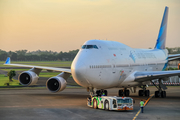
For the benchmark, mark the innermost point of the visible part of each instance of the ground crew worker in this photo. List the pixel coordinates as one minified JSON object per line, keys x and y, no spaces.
{"x":103,"y":94}
{"x":142,"y":105}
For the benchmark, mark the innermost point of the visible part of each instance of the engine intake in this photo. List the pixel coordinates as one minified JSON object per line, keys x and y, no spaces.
{"x":56,"y":84}
{"x":28,"y":78}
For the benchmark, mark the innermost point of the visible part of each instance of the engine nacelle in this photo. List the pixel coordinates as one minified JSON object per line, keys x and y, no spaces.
{"x":56,"y":84}
{"x":28,"y":78}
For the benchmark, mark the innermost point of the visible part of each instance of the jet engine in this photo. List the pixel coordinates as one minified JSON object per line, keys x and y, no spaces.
{"x":28,"y":78}
{"x":56,"y":84}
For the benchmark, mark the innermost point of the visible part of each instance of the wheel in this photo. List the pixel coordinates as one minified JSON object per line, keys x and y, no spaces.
{"x":105,"y":91}
{"x":126,"y":92}
{"x":95,"y":104}
{"x":140,"y":92}
{"x":106,"y":105}
{"x":147,"y":93}
{"x":156,"y":94}
{"x":120,"y":92}
{"x":163,"y":94}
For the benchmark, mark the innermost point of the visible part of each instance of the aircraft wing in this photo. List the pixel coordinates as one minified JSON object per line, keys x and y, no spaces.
{"x":173,"y":57}
{"x":151,"y":75}
{"x":38,"y":67}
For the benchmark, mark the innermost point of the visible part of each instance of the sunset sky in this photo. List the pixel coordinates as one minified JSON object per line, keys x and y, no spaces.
{"x":63,"y":25}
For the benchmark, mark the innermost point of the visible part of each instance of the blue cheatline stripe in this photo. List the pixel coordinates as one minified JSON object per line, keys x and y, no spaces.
{"x":165,"y":66}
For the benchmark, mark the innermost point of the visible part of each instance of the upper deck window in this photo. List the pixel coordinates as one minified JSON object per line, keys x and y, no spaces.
{"x":89,"y":47}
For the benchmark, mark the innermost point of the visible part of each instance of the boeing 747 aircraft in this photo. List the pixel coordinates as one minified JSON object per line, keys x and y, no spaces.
{"x":100,"y":65}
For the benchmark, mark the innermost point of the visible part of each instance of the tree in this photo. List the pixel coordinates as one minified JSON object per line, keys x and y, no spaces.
{"x":3,"y":55}
{"x":11,"y":74}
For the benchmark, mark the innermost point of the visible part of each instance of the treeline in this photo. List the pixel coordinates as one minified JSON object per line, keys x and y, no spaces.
{"x":24,"y":55}
{"x":175,"y":50}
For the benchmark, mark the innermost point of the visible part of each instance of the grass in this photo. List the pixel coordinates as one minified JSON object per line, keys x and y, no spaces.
{"x":4,"y":79}
{"x":15,"y":69}
{"x":40,"y":63}
{"x":42,"y":74}
{"x":49,"y":74}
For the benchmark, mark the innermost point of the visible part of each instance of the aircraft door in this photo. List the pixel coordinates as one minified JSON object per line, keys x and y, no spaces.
{"x":113,"y":66}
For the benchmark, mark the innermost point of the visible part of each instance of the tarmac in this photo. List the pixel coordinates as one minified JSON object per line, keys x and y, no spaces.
{"x":70,"y":104}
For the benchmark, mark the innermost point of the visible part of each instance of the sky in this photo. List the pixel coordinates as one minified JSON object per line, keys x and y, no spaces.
{"x":64,"y":25}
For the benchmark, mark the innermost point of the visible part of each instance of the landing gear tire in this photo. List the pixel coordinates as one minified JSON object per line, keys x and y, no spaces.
{"x":157,"y":94}
{"x":106,"y":105}
{"x":163,"y":94}
{"x":140,"y":92}
{"x":147,"y":93}
{"x":126,"y":92}
{"x":160,"y":87}
{"x":95,"y":104}
{"x":120,"y":92}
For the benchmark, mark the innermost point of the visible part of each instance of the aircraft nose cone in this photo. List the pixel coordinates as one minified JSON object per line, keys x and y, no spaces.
{"x":78,"y":70}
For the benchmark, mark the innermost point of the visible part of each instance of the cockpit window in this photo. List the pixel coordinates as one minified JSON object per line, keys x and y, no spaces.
{"x":89,"y":47}
{"x":83,"y":47}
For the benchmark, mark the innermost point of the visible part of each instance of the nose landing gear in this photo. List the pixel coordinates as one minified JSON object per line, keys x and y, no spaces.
{"x":101,"y":92}
{"x":94,"y":92}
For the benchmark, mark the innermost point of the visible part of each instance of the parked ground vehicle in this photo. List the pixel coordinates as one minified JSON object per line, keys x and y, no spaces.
{"x":110,"y":103}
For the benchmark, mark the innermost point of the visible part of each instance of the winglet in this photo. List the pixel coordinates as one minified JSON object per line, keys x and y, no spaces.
{"x":160,"y":44}
{"x":8,"y":61}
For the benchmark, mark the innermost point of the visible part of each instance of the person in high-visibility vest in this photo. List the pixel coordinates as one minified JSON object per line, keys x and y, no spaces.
{"x":103,"y":94}
{"x":142,"y":105}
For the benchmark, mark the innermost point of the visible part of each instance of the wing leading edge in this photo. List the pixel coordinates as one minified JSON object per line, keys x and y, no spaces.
{"x":8,"y":62}
{"x":151,"y":75}
{"x":173,"y":57}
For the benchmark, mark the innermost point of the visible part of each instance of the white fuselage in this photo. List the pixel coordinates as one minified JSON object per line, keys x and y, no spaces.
{"x":112,"y":64}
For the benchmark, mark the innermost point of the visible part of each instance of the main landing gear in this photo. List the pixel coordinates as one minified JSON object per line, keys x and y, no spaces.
{"x":144,"y":91}
{"x":94,"y":92}
{"x":160,"y":87}
{"x":124,"y":92}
